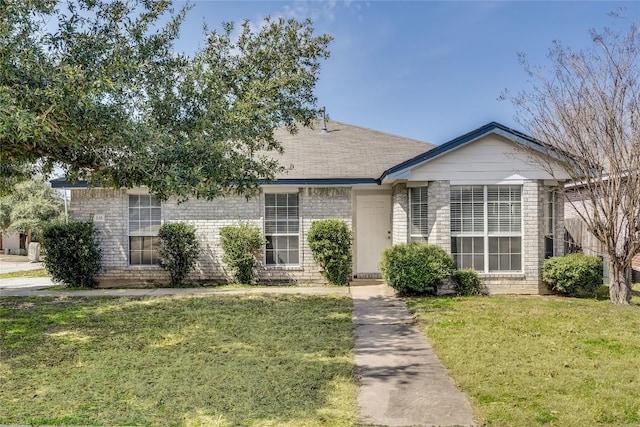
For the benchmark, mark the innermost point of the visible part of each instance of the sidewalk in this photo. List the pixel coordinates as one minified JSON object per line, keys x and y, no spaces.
{"x":402,"y":381}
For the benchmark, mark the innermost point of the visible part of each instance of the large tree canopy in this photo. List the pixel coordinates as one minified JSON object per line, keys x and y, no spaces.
{"x":587,"y":106}
{"x":96,"y":88}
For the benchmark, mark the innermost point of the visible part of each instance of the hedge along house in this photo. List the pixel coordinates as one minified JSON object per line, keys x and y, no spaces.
{"x":479,"y":197}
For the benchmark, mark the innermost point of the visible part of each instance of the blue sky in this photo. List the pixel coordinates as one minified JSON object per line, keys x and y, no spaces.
{"x":424,"y":69}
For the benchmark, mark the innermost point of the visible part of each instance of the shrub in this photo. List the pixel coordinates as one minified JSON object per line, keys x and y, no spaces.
{"x":416,"y":268}
{"x":241,"y":245}
{"x":330,"y":243}
{"x":467,"y":282}
{"x":574,"y":274}
{"x":178,"y":251}
{"x":73,"y":255}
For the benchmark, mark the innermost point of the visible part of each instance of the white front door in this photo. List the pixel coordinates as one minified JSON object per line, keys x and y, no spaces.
{"x":373,"y":230}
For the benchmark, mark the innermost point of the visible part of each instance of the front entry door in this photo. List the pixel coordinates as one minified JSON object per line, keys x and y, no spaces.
{"x":373,"y":231}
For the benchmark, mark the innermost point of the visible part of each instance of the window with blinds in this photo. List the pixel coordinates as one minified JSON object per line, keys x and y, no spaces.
{"x":486,"y":227}
{"x":418,"y":226}
{"x":282,"y":229}
{"x":144,"y":224}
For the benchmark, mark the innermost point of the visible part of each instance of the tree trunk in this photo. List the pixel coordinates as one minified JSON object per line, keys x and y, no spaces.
{"x":620,"y":284}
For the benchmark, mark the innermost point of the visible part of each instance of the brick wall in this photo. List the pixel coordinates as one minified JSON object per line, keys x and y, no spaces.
{"x":399,"y":214}
{"x":208,"y":218}
{"x":439,"y":214}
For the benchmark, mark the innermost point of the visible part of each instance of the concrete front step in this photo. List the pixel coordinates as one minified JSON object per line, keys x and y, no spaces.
{"x":366,"y":282}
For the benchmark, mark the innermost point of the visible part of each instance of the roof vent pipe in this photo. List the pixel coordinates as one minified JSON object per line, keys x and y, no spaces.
{"x":323,"y":110}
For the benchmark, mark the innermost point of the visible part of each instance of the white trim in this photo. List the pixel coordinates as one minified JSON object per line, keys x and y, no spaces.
{"x":515,"y":181}
{"x":279,"y":189}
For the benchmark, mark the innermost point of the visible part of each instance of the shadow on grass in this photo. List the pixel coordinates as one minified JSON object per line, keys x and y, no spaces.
{"x":129,"y":361}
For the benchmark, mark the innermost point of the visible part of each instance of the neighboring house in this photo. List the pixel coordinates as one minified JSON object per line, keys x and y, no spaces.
{"x":579,"y":239}
{"x":14,"y":243}
{"x":478,"y":196}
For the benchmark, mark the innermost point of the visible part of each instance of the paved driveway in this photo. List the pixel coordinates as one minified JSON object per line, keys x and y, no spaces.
{"x":14,"y":263}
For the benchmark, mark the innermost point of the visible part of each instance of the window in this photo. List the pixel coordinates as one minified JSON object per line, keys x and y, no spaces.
{"x":467,"y":226}
{"x":418,"y":227}
{"x":144,"y":224}
{"x":486,"y":227}
{"x":282,"y":229}
{"x":549,"y":222}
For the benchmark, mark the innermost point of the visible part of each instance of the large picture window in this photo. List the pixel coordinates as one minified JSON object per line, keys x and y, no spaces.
{"x":486,"y":227}
{"x":282,"y":229}
{"x":418,"y":227}
{"x":144,"y":224}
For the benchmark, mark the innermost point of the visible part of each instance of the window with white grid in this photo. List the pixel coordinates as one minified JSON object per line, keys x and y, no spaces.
{"x":418,"y":227}
{"x":144,"y":224}
{"x":282,"y":229}
{"x":486,"y":227}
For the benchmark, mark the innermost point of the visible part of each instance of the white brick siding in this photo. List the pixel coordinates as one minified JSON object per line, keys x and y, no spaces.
{"x":208,"y":217}
{"x":400,"y":214}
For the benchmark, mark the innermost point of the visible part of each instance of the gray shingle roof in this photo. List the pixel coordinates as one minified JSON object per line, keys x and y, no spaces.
{"x":345,"y":151}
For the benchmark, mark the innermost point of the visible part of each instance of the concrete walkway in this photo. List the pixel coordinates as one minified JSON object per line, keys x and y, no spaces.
{"x":402,"y":381}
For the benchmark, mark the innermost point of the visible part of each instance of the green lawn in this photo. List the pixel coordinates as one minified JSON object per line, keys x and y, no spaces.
{"x":215,"y":360}
{"x":534,"y":361}
{"x":40,"y":272}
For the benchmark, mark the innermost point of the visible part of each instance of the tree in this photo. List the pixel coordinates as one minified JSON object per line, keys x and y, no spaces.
{"x":586,"y":108}
{"x":30,"y":206}
{"x":95,"y":87}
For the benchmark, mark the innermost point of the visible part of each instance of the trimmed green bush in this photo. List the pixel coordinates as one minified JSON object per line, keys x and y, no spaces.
{"x":416,"y":268}
{"x":573,"y":274}
{"x":330,"y":243}
{"x":467,"y":282}
{"x":179,"y":248}
{"x":73,"y":254}
{"x":241,"y":245}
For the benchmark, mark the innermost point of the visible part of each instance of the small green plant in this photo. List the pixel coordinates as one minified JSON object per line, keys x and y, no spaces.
{"x":179,"y":248}
{"x":73,"y":255}
{"x":467,"y":282}
{"x":330,"y":243}
{"x":241,"y":245}
{"x":416,"y":268}
{"x":573,"y":274}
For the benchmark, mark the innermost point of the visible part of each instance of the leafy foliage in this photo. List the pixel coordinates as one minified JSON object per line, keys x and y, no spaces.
{"x":29,"y":206}
{"x":179,"y":249}
{"x":97,"y":88}
{"x":573,"y":274}
{"x":241,"y":245}
{"x":73,"y":255}
{"x":467,"y":282}
{"x":330,"y":243}
{"x":416,"y":268}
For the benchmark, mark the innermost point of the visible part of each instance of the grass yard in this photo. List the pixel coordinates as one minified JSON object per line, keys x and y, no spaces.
{"x":534,"y":361}
{"x":40,"y":272}
{"x":216,"y":360}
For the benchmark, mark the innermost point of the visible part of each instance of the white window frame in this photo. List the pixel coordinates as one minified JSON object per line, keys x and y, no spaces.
{"x":275,"y":234}
{"x":550,"y":220}
{"x":150,"y":232}
{"x":484,"y":233}
{"x":423,"y":205}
